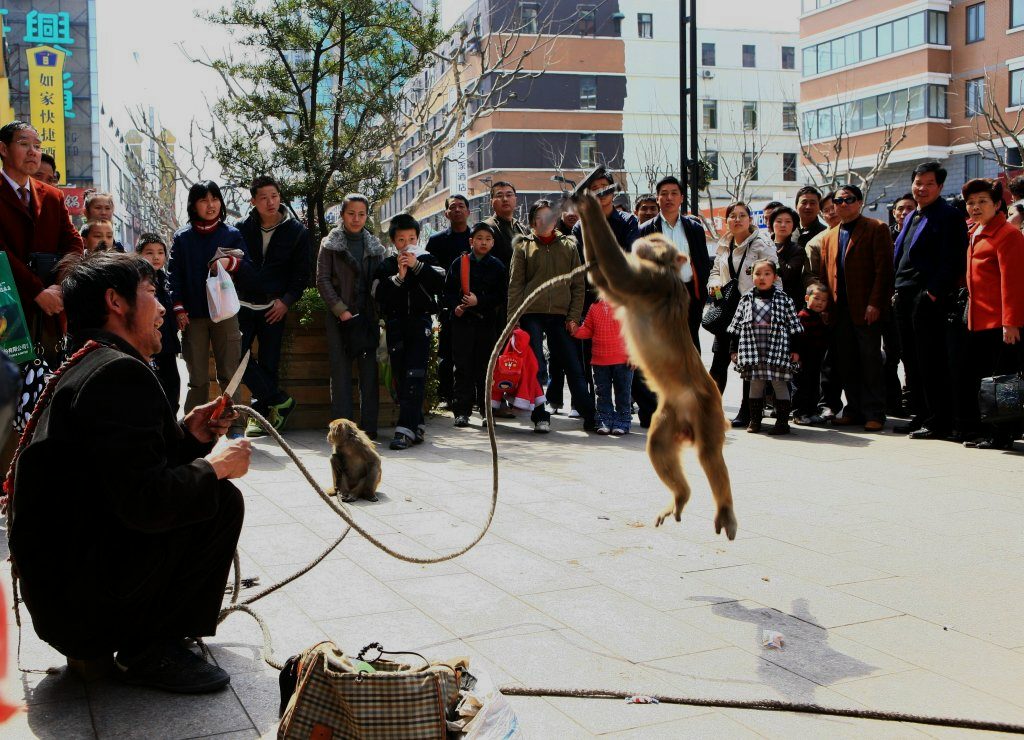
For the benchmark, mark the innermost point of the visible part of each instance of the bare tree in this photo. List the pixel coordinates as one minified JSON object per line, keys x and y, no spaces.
{"x":737,"y":173}
{"x":993,"y":130}
{"x":829,"y":160}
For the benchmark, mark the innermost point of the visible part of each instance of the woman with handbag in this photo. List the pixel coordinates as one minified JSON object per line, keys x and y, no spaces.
{"x":349,"y":255}
{"x":738,"y":250}
{"x":995,"y":308}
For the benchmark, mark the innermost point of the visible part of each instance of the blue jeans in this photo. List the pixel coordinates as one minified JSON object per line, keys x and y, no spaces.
{"x":619,"y":378}
{"x":539,"y":325}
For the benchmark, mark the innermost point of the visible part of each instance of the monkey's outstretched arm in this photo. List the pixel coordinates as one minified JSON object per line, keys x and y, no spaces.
{"x":610,"y":268}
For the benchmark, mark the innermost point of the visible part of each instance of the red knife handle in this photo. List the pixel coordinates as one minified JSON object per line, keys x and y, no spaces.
{"x":220,"y":408}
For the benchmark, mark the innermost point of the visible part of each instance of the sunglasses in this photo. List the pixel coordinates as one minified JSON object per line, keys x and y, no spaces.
{"x":844,"y":201}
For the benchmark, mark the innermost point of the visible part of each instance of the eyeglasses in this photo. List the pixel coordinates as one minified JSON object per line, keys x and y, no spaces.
{"x":842,"y":201}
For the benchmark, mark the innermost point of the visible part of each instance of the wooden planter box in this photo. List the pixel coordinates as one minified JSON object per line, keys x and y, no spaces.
{"x":306,"y":375}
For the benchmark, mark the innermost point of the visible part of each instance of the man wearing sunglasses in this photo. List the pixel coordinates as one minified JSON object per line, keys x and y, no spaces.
{"x":856,"y":263}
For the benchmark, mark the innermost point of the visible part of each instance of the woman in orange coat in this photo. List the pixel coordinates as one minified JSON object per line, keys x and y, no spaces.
{"x":995,"y":311}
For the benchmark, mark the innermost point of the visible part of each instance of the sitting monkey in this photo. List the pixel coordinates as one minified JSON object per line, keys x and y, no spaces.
{"x":653,"y":302}
{"x":355,"y":464}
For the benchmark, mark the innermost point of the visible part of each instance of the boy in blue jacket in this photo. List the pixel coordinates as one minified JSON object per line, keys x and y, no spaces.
{"x":407,"y":286}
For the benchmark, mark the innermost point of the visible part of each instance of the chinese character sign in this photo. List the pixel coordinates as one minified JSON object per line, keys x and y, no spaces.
{"x":46,"y":94}
{"x":459,"y":174}
{"x":48,"y":28}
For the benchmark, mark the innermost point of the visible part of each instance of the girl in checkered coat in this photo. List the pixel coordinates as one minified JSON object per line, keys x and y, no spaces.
{"x":762,"y":344}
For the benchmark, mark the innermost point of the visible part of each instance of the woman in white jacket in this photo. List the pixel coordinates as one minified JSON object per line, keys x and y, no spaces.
{"x":738,"y":250}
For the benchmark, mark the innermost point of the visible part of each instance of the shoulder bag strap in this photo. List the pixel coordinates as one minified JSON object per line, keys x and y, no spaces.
{"x":734,"y":273}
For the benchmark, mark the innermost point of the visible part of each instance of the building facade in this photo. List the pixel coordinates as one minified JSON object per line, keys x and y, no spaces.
{"x":948,"y":75}
{"x":609,"y":94}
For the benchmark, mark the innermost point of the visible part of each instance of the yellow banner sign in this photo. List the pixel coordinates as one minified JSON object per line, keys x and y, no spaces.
{"x":46,"y":94}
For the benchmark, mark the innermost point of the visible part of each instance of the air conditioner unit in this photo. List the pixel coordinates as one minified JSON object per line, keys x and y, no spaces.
{"x":707,"y":74}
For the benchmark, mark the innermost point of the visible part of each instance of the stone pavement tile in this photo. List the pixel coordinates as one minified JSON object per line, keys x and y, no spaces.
{"x":818,"y":655}
{"x":518,"y":571}
{"x":467,"y":604}
{"x":967,"y":660}
{"x":323,"y":521}
{"x":386,"y":568}
{"x":260,"y":510}
{"x":811,"y":535}
{"x":666,"y":548}
{"x":572,"y":515}
{"x":788,"y":725}
{"x":260,"y":695}
{"x":538,"y":719}
{"x":646,"y":581}
{"x":713,"y":726}
{"x":438,"y":530}
{"x":238,"y":642}
{"x":55,"y":720}
{"x":406,"y":629}
{"x":339,"y":588}
{"x":282,"y":544}
{"x":128,"y":711}
{"x":240,"y":735}
{"x":622,"y":624}
{"x":993,"y":523}
{"x":546,"y":539}
{"x":826,"y":607}
{"x":924,"y":692}
{"x":36,"y":687}
{"x":610,"y":717}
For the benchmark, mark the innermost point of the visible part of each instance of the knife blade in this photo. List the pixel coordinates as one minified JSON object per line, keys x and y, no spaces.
{"x":236,"y":380}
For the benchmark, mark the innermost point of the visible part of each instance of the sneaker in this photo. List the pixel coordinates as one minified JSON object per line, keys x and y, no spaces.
{"x":574,"y":414}
{"x":400,"y":442}
{"x":172,"y":667}
{"x":619,"y":431}
{"x":462,"y":421}
{"x":542,"y":427}
{"x":803,"y":421}
{"x":254,"y":429}
{"x":603,"y":429}
{"x":552,"y":409}
{"x":280,"y":412}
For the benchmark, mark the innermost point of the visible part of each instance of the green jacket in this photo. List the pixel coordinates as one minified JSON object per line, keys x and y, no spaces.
{"x":534,"y":263}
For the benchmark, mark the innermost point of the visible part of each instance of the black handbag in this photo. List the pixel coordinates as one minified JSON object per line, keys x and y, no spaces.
{"x":361,"y":334}
{"x":1001,"y":398}
{"x":718,"y":314}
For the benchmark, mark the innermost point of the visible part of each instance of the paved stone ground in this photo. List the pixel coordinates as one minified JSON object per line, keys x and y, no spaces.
{"x":893,"y":568}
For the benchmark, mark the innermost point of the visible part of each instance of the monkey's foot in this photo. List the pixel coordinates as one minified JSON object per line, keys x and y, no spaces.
{"x":726,"y":520}
{"x":674,"y":510}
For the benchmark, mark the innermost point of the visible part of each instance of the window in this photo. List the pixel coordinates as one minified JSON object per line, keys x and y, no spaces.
{"x":586,"y":20}
{"x":925,"y":27}
{"x":1017,"y":87}
{"x":788,"y":57}
{"x":975,"y":22}
{"x":749,"y":59}
{"x":1016,"y":13}
{"x":710,"y":115}
{"x":974,"y":96}
{"x":528,"y":17}
{"x":750,"y":164}
{"x":711,"y":157}
{"x":749,"y":116}
{"x":789,"y":116}
{"x":707,"y":54}
{"x":789,"y":167}
{"x":588,"y":150}
{"x":645,"y":25}
{"x":972,"y":166}
{"x":912,"y":104}
{"x":588,"y":92}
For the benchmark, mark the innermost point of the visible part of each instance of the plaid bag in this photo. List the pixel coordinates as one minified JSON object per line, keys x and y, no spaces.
{"x":341,"y":698}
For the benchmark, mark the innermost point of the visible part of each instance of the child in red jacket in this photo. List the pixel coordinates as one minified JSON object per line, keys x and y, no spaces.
{"x":612,"y":370}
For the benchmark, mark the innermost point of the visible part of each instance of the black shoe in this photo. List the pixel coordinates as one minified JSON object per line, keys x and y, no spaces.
{"x":926,"y":433}
{"x":995,"y":444}
{"x":740,"y":420}
{"x":589,"y":425}
{"x":462,"y":421}
{"x":420,"y":436}
{"x":172,"y":667}
{"x":400,"y":442}
{"x":908,"y":428}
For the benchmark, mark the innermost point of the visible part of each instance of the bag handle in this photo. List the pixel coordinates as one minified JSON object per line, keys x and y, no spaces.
{"x":382,"y":652}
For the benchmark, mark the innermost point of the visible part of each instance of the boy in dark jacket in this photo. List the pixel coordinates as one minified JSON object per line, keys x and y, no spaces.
{"x":279,"y":249}
{"x":473,"y":294}
{"x":812,"y":346}
{"x":407,"y":286}
{"x":151,"y":248}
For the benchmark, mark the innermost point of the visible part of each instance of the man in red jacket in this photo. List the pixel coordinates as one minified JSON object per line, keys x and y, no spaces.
{"x":35,"y":231}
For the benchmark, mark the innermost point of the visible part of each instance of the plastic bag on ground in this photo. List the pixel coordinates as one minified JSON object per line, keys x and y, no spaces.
{"x":495,"y":719}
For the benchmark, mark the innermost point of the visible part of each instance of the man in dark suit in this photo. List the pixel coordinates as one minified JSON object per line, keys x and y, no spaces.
{"x":35,"y":231}
{"x":504,"y":221}
{"x":856,"y":263}
{"x":930,"y":261}
{"x":687,"y":233}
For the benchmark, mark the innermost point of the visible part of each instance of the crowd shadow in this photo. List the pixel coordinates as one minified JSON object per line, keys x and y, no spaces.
{"x":806,"y":652}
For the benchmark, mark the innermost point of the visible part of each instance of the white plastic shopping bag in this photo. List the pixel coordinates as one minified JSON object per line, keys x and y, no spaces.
{"x":221,"y":296}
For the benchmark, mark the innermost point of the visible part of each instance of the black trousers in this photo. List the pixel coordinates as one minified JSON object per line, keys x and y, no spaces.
{"x":472,"y":341}
{"x":989,"y":356}
{"x":694,"y":314}
{"x":892,"y":355}
{"x":445,"y":358}
{"x":858,"y":349}
{"x":808,"y":383}
{"x":555,"y":392}
{"x":923,"y":330}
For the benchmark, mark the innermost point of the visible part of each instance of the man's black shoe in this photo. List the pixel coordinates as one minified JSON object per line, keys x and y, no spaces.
{"x":909,"y":427}
{"x":590,"y":425}
{"x":400,"y":442}
{"x":740,"y":420}
{"x":173,"y":667}
{"x":420,"y":436}
{"x":926,"y":433}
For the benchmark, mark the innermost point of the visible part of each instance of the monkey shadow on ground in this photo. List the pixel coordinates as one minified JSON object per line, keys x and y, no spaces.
{"x":806,"y":651}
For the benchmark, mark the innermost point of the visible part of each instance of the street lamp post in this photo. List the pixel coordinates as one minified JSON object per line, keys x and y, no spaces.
{"x":688,"y":154}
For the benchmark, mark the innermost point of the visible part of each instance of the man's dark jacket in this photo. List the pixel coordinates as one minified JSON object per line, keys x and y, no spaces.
{"x":938,"y":248}
{"x":103,"y":497}
{"x":506,"y":233}
{"x":700,"y":260}
{"x":447,"y":245}
{"x":283,"y":272}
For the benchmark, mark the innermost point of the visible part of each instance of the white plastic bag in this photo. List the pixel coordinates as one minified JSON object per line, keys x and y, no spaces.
{"x":221,"y":296}
{"x":495,"y":718}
